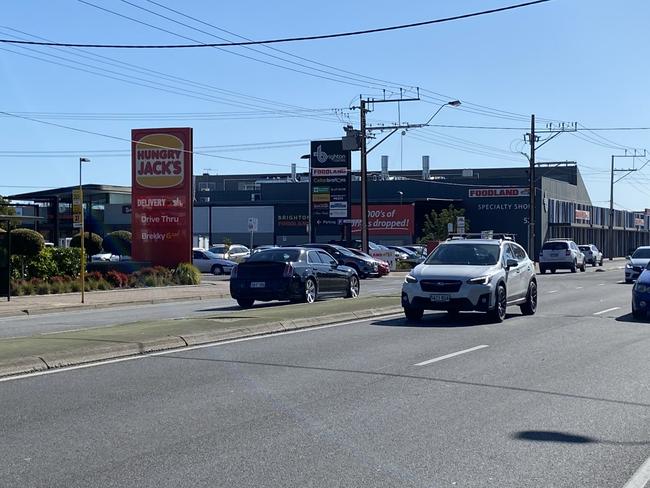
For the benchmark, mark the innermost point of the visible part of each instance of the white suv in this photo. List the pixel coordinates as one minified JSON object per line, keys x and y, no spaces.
{"x":472,"y":274}
{"x":561,"y":254}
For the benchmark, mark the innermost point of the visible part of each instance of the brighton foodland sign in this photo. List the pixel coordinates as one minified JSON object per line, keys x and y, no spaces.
{"x":161,"y":217}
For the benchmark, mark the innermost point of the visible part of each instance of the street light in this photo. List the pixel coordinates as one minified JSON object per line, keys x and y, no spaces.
{"x":453,"y":103}
{"x":83,"y":237}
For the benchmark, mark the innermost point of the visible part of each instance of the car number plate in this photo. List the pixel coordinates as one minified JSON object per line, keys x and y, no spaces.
{"x":553,"y":254}
{"x":258,"y":284}
{"x":439,"y":298}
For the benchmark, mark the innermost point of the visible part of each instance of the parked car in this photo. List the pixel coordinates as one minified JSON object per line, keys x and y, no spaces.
{"x":592,"y":255}
{"x":263,"y":248}
{"x":291,"y":273}
{"x":486,"y":275}
{"x":417,"y":249}
{"x":383,"y":268}
{"x":561,"y":254}
{"x":637,"y":262}
{"x":641,"y":294}
{"x":407,"y":255}
{"x":208,"y":262}
{"x":234,"y":252}
{"x":364,"y":267}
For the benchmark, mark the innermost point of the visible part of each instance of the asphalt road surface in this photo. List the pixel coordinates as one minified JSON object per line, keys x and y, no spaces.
{"x":73,"y":320}
{"x":560,"y":399}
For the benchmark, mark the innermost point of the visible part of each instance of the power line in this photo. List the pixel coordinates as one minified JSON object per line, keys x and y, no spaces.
{"x":282,"y":40}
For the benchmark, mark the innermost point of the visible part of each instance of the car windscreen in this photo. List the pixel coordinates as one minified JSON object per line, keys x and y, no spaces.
{"x":344,"y":251}
{"x":555,"y":246}
{"x":641,"y":254}
{"x":218,"y":249}
{"x":275,"y":256}
{"x":465,"y":254}
{"x":584,"y":248}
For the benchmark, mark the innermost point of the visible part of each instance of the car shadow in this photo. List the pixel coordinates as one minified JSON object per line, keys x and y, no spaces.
{"x":234,"y":308}
{"x":439,"y":320}
{"x":628,"y":317}
{"x":569,"y":438}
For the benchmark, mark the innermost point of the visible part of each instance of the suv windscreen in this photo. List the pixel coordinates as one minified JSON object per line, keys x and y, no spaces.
{"x":641,"y":254}
{"x":555,"y":246}
{"x":584,"y":248}
{"x":275,"y":256}
{"x":465,"y":254}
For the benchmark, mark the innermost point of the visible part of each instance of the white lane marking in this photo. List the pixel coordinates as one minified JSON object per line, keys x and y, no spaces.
{"x":601,"y":284}
{"x":187,"y":348}
{"x":447,"y":356}
{"x":641,"y":477}
{"x":578,"y":288}
{"x":607,"y":310}
{"x":552,"y":291}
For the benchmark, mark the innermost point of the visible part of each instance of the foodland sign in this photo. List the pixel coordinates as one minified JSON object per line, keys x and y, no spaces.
{"x":161,"y":215}
{"x":498,"y":192}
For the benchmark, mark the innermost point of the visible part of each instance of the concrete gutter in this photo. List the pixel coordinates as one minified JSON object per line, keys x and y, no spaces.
{"x":113,"y":350}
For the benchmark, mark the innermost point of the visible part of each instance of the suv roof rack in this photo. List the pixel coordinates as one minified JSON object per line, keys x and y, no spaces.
{"x":502,"y":236}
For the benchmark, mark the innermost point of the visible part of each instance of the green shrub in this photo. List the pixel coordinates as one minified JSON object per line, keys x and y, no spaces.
{"x":57,"y":287}
{"x":26,"y":242}
{"x":118,"y":242}
{"x":67,"y":259}
{"x":43,"y":288}
{"x":404,"y":266}
{"x":187,"y":274}
{"x":75,"y":286}
{"x":41,"y":266}
{"x":104,"y":285}
{"x":92,"y":243}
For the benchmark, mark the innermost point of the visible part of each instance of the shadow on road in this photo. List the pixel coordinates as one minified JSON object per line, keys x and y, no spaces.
{"x":628,"y":317}
{"x":440,"y":320}
{"x":235,"y":308}
{"x":568,"y":438}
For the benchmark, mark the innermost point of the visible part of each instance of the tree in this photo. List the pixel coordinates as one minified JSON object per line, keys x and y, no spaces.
{"x":27,"y":244}
{"x":92,"y":243}
{"x":118,"y":242}
{"x":435,"y":224}
{"x":5,"y":209}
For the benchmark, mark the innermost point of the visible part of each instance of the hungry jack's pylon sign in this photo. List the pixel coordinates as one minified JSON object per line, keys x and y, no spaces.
{"x":162,"y":204}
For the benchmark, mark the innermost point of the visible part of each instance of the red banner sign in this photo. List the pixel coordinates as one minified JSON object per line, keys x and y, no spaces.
{"x":161,"y":195}
{"x":385,"y":219}
{"x":583,"y":214}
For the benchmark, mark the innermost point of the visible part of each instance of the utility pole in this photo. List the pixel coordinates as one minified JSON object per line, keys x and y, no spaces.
{"x":532,"y":139}
{"x":363,"y":146}
{"x":610,"y":240}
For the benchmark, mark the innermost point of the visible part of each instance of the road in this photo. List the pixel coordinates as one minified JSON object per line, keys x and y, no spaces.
{"x":560,"y":399}
{"x":74,"y":320}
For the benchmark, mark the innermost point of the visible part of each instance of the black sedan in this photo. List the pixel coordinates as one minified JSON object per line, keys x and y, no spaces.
{"x":364,"y":267}
{"x":291,"y":273}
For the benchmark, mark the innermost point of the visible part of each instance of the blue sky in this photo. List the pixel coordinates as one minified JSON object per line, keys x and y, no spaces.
{"x":565,"y":60}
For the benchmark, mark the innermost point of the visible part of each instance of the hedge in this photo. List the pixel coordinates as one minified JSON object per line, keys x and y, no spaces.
{"x":92,"y":243}
{"x":26,"y":242}
{"x":118,"y":242}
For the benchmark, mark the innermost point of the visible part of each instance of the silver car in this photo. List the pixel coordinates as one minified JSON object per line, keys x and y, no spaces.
{"x":561,"y":254}
{"x":486,"y":275}
{"x":592,"y":254}
{"x":636,"y":263}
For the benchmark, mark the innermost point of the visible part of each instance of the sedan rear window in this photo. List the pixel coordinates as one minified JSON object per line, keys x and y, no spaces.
{"x":465,"y":254}
{"x":555,"y":246}
{"x":584,"y":248}
{"x":275,"y":256}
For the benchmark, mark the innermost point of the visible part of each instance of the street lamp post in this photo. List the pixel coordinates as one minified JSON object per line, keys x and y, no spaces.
{"x":83,"y":237}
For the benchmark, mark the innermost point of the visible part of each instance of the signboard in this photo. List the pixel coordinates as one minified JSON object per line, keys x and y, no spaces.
{"x":252,"y":224}
{"x":385,"y":255}
{"x":330,"y":187}
{"x":161,"y":206}
{"x":76,"y":221}
{"x":582,"y":215}
{"x":77,"y":209}
{"x":291,"y":220}
{"x":460,"y":225}
{"x":385,"y":219}
{"x":498,"y":192}
{"x":639,"y":222}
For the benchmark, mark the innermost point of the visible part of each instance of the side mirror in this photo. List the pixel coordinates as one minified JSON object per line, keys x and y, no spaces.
{"x":512,"y":263}
{"x":629,"y":258}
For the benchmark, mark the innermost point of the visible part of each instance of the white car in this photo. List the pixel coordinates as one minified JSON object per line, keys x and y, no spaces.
{"x":636,"y":263}
{"x":592,"y":255}
{"x":487,"y":275}
{"x":234,"y":252}
{"x":561,"y":254}
{"x":208,"y":262}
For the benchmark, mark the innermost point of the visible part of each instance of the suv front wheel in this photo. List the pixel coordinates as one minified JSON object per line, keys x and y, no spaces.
{"x":498,"y":313}
{"x":530,"y":307}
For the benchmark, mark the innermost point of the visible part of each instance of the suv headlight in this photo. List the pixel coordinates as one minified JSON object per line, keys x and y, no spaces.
{"x":628,"y":265}
{"x":481,"y":280}
{"x":410,"y":279}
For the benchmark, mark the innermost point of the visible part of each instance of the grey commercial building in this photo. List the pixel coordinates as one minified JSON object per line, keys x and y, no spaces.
{"x":493,"y":198}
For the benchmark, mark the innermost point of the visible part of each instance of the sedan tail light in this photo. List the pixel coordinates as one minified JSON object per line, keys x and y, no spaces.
{"x":288,"y":271}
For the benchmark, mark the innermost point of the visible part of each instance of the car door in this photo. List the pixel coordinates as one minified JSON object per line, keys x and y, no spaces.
{"x":320,"y":271}
{"x":200,"y":261}
{"x":337,"y":276}
{"x":525,"y":264}
{"x":514,"y":283}
{"x":580,"y":258}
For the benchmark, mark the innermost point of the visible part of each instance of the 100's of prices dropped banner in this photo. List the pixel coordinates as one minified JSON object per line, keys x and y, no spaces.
{"x":161,"y":217}
{"x":385,"y":219}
